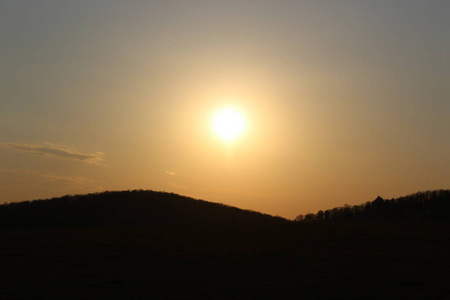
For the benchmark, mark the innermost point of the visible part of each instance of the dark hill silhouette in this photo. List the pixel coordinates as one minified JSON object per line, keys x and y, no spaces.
{"x":137,"y":207}
{"x":155,"y":245}
{"x":428,"y":205}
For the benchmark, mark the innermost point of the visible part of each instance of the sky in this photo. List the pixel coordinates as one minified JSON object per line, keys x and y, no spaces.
{"x":343,"y":101}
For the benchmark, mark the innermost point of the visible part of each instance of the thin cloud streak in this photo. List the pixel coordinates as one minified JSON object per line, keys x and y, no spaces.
{"x":49,"y":149}
{"x":176,"y":186}
{"x":16,"y":171}
{"x":74,"y":182}
{"x":243,"y":192}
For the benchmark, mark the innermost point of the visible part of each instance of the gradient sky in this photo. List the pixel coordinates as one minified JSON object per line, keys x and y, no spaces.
{"x":344,"y":100}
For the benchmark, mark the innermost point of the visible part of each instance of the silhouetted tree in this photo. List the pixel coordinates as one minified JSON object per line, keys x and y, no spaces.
{"x":299,"y":218}
{"x":423,"y":205}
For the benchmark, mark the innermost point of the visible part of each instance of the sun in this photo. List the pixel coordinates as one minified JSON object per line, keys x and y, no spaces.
{"x":228,"y":124}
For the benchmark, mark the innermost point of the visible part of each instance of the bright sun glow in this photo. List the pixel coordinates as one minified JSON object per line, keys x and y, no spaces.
{"x":229,"y":124}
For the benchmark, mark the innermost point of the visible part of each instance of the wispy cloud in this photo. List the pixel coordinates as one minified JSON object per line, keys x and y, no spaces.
{"x":171,"y":173}
{"x":49,"y":149}
{"x":176,"y":186}
{"x":243,"y":192}
{"x":16,"y":171}
{"x":74,"y":182}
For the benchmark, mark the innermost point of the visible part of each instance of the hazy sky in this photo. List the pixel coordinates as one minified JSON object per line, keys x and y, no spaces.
{"x":343,"y":100}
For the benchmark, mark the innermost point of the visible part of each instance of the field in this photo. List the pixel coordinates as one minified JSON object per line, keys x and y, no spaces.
{"x":354,"y":260}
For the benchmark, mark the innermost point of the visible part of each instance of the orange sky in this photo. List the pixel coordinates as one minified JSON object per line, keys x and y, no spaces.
{"x":343,"y":101}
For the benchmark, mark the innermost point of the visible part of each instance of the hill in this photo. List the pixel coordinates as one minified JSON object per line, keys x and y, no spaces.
{"x":137,"y":207}
{"x":154,"y":245}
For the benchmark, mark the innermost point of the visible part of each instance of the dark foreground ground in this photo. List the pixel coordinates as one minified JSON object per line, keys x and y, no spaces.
{"x":401,"y":260}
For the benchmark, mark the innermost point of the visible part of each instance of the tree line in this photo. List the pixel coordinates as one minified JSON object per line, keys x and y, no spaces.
{"x":422,"y":205}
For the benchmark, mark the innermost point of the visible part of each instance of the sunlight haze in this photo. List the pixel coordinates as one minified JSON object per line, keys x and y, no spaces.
{"x":282,"y":107}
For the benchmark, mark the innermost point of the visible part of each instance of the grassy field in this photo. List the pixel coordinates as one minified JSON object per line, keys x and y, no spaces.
{"x":365,"y":260}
